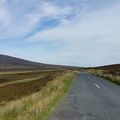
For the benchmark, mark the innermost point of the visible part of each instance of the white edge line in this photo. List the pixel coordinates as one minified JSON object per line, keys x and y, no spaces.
{"x":97,"y":85}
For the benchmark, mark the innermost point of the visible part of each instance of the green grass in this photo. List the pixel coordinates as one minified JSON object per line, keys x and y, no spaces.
{"x":51,"y":107}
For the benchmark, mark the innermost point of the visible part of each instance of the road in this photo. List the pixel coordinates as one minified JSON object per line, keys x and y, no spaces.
{"x":90,"y":98}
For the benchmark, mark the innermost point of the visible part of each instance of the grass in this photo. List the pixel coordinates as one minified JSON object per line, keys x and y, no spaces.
{"x":39,"y":105}
{"x":15,"y":89}
{"x":67,"y":82}
{"x":109,"y":74}
{"x":6,"y":77}
{"x":22,"y":80}
{"x":113,"y":78}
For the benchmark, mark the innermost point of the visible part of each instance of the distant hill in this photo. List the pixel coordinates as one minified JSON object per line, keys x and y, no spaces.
{"x":8,"y":62}
{"x":112,"y":66}
{"x":115,"y":66}
{"x":112,"y":69}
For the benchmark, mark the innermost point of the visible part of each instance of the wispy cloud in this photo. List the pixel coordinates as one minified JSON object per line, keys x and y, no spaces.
{"x":95,"y":37}
{"x":4,"y":15}
{"x":19,"y":18}
{"x":70,"y":32}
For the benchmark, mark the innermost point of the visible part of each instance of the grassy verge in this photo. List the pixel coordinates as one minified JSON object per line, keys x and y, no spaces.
{"x":115,"y":78}
{"x":38,"y":106}
{"x":112,"y":78}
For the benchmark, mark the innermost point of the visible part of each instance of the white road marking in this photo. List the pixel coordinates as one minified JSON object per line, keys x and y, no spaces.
{"x":97,"y":85}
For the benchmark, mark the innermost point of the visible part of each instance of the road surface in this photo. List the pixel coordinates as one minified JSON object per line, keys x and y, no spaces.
{"x":90,"y":98}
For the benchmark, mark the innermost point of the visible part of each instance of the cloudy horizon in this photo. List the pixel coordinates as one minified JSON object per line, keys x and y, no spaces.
{"x":78,"y":33}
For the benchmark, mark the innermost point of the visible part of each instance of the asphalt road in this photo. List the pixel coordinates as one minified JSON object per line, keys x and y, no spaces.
{"x":90,"y":98}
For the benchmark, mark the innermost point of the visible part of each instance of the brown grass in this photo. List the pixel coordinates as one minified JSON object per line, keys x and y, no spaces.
{"x":14,"y":76}
{"x":109,"y":74}
{"x":39,"y":105}
{"x":12,"y":90}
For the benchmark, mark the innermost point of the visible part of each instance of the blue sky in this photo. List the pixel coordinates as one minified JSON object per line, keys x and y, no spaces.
{"x":67,"y":32}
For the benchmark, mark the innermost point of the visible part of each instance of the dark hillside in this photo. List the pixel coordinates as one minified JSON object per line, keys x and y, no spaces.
{"x":13,"y":63}
{"x":113,"y":69}
{"x":8,"y":61}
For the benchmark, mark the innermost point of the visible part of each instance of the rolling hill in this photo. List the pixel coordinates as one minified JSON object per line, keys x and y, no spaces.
{"x":113,"y":69}
{"x":13,"y":63}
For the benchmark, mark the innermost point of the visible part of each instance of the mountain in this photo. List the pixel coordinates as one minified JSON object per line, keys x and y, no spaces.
{"x":8,"y":62}
{"x":113,"y":67}
{"x":13,"y":62}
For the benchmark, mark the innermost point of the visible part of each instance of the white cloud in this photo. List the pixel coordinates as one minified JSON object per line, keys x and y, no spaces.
{"x":4,"y":14}
{"x":98,"y":24}
{"x":94,"y":38}
{"x":89,"y":38}
{"x":18,"y":18}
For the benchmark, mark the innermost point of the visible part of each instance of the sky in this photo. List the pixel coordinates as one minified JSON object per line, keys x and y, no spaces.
{"x":66,"y":32}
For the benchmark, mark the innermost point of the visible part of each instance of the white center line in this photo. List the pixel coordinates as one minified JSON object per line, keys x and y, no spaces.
{"x":97,"y":85}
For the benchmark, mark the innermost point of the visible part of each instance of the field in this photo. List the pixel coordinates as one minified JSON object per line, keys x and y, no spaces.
{"x":111,"y":72}
{"x":32,"y":94}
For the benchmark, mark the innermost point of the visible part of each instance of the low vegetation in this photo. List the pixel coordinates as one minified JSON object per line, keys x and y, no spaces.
{"x":112,"y":74}
{"x":34,"y":99}
{"x":15,"y":86}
